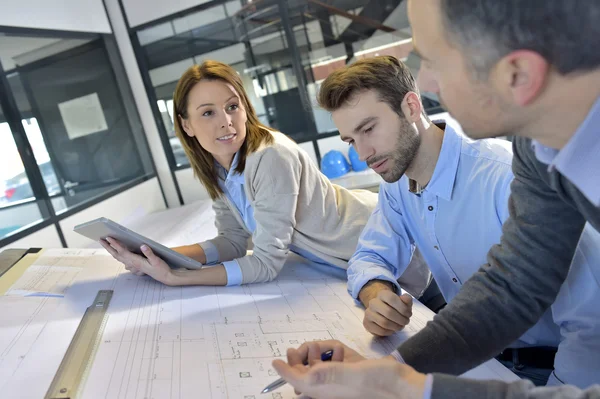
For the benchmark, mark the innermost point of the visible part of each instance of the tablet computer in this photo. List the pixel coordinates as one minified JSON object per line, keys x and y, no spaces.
{"x":102,"y":227}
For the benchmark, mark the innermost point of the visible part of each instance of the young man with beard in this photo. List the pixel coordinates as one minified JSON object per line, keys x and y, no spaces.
{"x":448,"y":196}
{"x":528,"y":68}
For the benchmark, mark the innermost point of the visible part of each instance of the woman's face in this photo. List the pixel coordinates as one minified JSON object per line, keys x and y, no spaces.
{"x":217,"y":119}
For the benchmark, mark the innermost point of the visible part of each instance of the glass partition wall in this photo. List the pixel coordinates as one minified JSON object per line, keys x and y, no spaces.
{"x":70,"y":134}
{"x":282,"y":49}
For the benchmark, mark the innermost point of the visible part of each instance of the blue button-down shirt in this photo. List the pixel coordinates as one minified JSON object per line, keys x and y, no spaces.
{"x":454,"y":222}
{"x":232,"y":184}
{"x":579,"y":160}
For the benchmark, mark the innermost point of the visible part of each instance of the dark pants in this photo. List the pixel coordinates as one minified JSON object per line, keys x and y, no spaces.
{"x":534,"y":364}
{"x":538,"y":376}
{"x":433,"y":298}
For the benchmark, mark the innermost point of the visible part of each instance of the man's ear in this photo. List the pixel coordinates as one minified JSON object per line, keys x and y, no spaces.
{"x":412,"y":107}
{"x":185,"y":125}
{"x":523,"y":74}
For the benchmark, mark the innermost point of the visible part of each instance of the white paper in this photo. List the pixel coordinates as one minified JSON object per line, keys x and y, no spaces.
{"x":35,"y":331}
{"x":83,"y":116}
{"x":55,"y":271}
{"x":219,"y":342}
{"x":186,"y":342}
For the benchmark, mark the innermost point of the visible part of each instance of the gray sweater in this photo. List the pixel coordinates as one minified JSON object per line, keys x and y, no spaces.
{"x":295,"y":204}
{"x":509,"y":294}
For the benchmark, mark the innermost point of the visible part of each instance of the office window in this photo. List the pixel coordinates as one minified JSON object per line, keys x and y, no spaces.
{"x":76,"y":122}
{"x":69,"y":129}
{"x":15,"y":189}
{"x":169,"y":48}
{"x":282,"y":51}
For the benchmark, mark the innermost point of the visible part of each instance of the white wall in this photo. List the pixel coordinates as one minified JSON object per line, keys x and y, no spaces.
{"x":134,"y":203}
{"x":142,"y":11}
{"x":72,"y":15}
{"x":141,"y":101}
{"x":397,"y":19}
{"x":233,"y":54}
{"x":169,"y":73}
{"x":172,"y":72}
{"x":187,"y":23}
{"x":191,"y":189}
{"x":44,"y":238}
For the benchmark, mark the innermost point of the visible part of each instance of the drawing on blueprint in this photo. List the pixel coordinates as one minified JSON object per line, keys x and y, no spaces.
{"x":173,"y":342}
{"x":38,"y":324}
{"x":217,"y":342}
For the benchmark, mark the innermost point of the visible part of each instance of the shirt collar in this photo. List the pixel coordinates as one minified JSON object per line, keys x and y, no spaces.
{"x":444,"y":174}
{"x":578,"y":161}
{"x":232,"y":175}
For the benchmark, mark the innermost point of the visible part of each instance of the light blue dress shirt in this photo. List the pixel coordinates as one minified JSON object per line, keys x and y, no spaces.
{"x":579,"y":160}
{"x":454,"y":221}
{"x":576,"y":309}
{"x":232,"y":184}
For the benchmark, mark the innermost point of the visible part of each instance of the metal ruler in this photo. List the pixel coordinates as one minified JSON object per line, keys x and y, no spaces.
{"x":76,"y":364}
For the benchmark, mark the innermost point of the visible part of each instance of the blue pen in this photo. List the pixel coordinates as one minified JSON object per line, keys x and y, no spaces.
{"x":325,"y":356}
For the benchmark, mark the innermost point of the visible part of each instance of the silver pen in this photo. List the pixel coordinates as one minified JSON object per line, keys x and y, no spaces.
{"x":325,"y":357}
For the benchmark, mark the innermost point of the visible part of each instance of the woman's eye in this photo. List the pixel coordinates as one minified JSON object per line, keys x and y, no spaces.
{"x":207,"y":113}
{"x":369,"y":130}
{"x":233,"y":107}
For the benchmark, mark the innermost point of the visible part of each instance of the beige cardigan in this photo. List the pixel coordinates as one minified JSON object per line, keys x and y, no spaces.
{"x":294,"y":203}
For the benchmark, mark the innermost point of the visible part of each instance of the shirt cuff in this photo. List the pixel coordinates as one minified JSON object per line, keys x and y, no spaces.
{"x":428,"y":386}
{"x":210,"y":251}
{"x":396,"y":355}
{"x":234,"y":273}
{"x":371,"y":272}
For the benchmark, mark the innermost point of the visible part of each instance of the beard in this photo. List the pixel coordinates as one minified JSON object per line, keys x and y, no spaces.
{"x":404,"y":152}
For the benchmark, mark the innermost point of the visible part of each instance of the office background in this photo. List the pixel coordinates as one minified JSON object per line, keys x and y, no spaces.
{"x":85,"y":95}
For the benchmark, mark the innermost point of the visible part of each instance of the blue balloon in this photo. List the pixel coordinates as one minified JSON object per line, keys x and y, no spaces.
{"x":334,"y":164}
{"x":356,"y":163}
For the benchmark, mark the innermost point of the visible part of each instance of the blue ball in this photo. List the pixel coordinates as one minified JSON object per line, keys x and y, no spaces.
{"x":356,"y":163}
{"x":334,"y":164}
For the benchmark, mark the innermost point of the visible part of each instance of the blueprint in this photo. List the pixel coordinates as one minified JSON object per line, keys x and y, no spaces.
{"x":219,"y":342}
{"x":55,"y":271}
{"x":182,"y":342}
{"x":38,"y":323}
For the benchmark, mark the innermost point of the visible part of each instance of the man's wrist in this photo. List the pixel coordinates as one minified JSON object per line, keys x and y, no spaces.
{"x":412,"y":383}
{"x":396,"y":356}
{"x":372,"y":288}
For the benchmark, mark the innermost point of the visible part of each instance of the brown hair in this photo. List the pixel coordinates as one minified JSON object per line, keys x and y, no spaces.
{"x":202,"y":161}
{"x":387,"y":75}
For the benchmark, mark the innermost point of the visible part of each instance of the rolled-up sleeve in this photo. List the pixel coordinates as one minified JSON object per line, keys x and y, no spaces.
{"x":232,"y":240}
{"x":210,"y":252}
{"x":384,"y":249}
{"x":234,"y":272}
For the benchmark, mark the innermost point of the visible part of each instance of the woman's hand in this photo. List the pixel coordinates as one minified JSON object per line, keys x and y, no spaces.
{"x":139,"y":265}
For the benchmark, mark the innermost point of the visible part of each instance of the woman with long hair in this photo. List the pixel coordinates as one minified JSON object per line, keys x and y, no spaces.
{"x":263,"y":186}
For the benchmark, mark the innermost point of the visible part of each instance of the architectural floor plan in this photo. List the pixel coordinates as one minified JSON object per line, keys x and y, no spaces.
{"x":180,"y":342}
